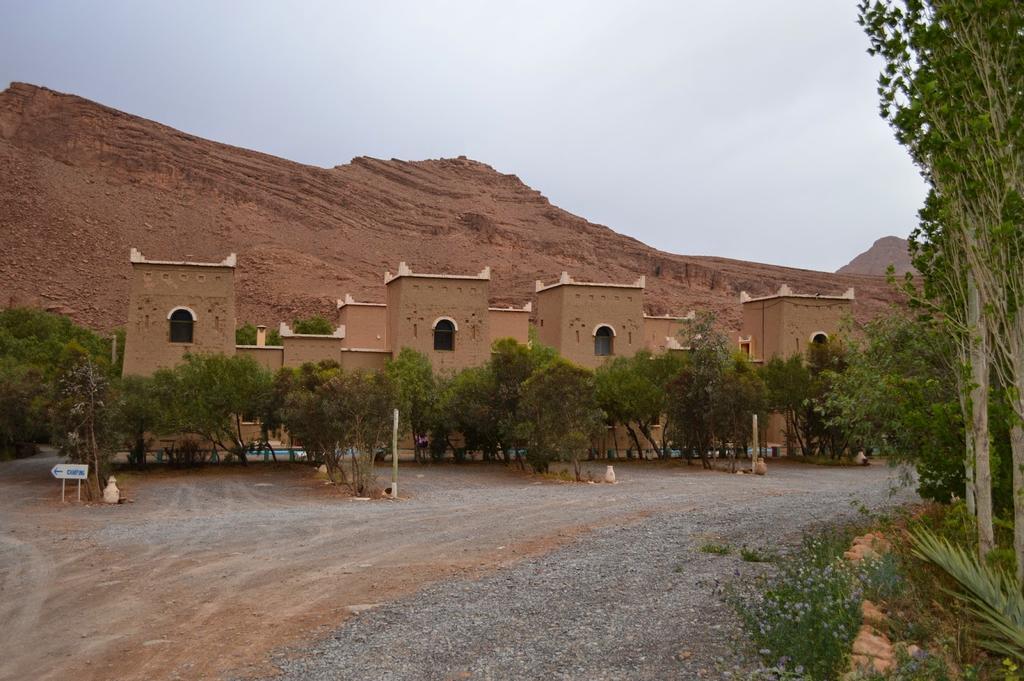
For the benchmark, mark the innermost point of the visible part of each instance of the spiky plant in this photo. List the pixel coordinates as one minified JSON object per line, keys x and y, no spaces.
{"x":992,"y":594}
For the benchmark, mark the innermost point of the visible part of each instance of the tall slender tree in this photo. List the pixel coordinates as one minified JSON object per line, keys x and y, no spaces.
{"x":952,"y":87}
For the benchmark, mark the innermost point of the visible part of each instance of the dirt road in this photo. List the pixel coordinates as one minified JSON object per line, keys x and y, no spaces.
{"x":207,"y":573}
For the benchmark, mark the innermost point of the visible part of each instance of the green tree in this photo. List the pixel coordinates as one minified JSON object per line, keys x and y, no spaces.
{"x":562,"y":415}
{"x":471,"y":406}
{"x":136,"y":414}
{"x":363,"y":403}
{"x":309,"y":414}
{"x":23,"y":409}
{"x":270,"y":409}
{"x":952,"y":87}
{"x":510,"y":366}
{"x":36,"y":348}
{"x":80,"y":417}
{"x":741,"y":393}
{"x":341,"y":417}
{"x":898,"y":394}
{"x":416,"y":393}
{"x":246,"y":335}
{"x":627,"y":393}
{"x":315,"y":325}
{"x":36,"y":338}
{"x":212,"y":394}
{"x":797,"y":388}
{"x":694,"y":389}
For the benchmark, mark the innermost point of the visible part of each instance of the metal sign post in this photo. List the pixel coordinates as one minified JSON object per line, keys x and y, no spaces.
{"x":70,"y":471}
{"x":394,"y":458}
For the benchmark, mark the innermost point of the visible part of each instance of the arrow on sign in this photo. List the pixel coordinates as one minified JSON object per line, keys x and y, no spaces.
{"x":70,"y":471}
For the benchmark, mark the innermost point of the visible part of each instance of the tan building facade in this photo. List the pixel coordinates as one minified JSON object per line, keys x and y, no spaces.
{"x":590,"y":322}
{"x":784,"y":324}
{"x":175,"y":308}
{"x":181,"y":307}
{"x":443,"y":316}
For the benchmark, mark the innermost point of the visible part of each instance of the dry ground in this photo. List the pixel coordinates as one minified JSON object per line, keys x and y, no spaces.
{"x":209,"y":572}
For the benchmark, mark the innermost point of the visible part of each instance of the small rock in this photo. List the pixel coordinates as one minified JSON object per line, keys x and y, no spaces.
{"x":872,"y":651}
{"x":873,"y":615}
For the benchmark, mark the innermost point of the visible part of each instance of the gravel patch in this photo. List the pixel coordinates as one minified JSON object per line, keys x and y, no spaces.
{"x":633,"y":601}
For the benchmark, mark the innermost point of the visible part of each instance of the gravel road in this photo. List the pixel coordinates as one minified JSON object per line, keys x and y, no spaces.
{"x":628,"y":601}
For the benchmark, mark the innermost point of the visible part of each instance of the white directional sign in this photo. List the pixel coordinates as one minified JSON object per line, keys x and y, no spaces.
{"x":70,"y":471}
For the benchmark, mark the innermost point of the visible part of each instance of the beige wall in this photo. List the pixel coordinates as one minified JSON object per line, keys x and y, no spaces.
{"x":155,"y":290}
{"x":301,"y":349}
{"x":365,"y":325}
{"x":783,"y":326}
{"x":658,"y":329}
{"x":568,"y":314}
{"x":415,"y":302}
{"x":509,"y":324}
{"x":364,"y":359}
{"x":269,"y":356}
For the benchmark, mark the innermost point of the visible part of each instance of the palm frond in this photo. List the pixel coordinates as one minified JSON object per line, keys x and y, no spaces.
{"x":992,"y":595}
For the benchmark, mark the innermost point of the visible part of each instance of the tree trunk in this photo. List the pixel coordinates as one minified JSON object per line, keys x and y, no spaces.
{"x":979,"y":419}
{"x":1017,"y":450}
{"x":972,"y":507}
{"x":239,"y":441}
{"x":645,"y":428}
{"x":615,"y":440}
{"x":635,"y":438}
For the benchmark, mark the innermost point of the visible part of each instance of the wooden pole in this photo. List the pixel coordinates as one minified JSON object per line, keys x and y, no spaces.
{"x":394,"y":457}
{"x":79,"y":489}
{"x":62,"y":481}
{"x":756,"y":448}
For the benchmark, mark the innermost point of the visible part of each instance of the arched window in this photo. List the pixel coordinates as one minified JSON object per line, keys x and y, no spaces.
{"x":819,"y":338}
{"x":444,"y":335}
{"x":603,"y":341}
{"x":182,"y":322}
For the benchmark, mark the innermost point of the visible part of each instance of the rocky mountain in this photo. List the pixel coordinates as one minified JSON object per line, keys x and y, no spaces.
{"x":81,"y":183}
{"x":889,"y":250}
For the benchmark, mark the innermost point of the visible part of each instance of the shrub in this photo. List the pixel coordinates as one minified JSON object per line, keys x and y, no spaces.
{"x":992,"y":594}
{"x":315,"y":325}
{"x":806,"y":622}
{"x":880,"y":578}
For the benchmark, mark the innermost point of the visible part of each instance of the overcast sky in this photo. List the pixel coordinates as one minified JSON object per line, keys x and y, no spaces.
{"x":741,"y":129}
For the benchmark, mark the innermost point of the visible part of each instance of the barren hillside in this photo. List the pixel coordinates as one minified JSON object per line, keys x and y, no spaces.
{"x":889,"y":250}
{"x":80,"y":183}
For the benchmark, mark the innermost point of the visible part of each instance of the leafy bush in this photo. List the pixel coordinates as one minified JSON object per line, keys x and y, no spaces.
{"x":315,"y":325}
{"x":246,"y":335}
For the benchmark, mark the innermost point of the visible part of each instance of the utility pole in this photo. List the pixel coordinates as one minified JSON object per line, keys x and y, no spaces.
{"x":755,"y":452}
{"x":394,"y":457}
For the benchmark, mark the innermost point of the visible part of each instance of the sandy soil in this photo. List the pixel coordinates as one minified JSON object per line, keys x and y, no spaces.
{"x":206,"y":573}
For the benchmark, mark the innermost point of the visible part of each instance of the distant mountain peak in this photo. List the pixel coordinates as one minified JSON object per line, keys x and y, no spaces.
{"x":889,"y":250}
